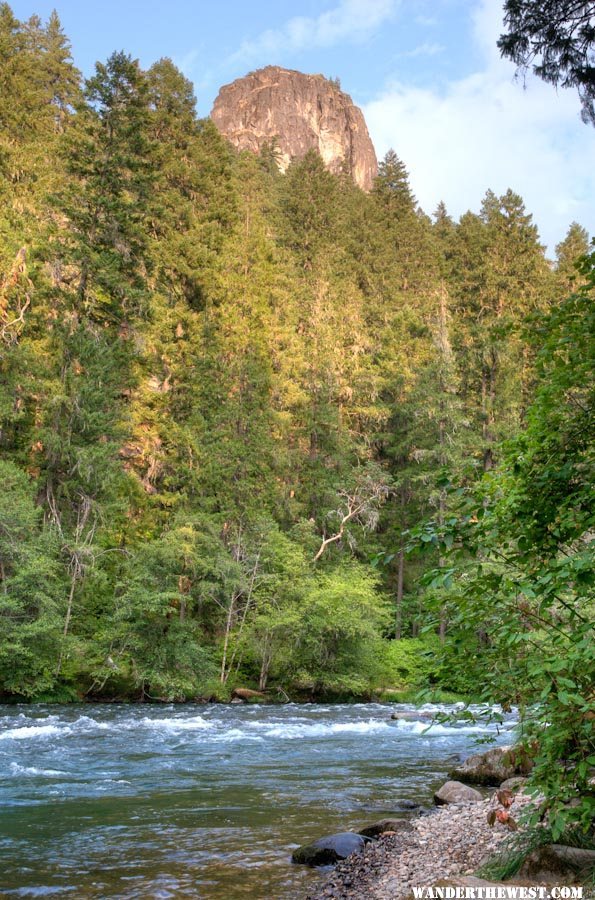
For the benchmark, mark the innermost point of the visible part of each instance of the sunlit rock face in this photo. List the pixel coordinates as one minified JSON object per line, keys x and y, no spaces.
{"x":302,"y":112}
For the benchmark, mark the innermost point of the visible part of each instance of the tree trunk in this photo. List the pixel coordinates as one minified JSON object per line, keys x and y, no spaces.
{"x":416,"y":624}
{"x":399,"y":609}
{"x":443,"y":623}
{"x":228,"y":623}
{"x":488,"y":399}
{"x":69,"y":606}
{"x":245,"y":613}
{"x":264,"y":667}
{"x":67,"y":619}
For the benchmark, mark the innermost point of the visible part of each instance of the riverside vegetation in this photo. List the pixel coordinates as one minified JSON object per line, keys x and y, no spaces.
{"x":268,"y":430}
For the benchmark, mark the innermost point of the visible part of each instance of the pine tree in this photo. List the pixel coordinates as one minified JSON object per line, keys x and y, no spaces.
{"x":190,"y":212}
{"x":568,"y":254}
{"x":501,"y":276}
{"x":60,"y":79}
{"x":391,"y":187}
{"x":98,"y":289}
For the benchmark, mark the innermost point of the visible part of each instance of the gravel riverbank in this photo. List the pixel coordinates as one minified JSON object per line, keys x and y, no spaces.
{"x":453,"y":840}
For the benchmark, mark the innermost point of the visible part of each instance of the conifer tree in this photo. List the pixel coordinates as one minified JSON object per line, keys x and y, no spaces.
{"x":501,"y":275}
{"x":98,"y":291}
{"x":190,"y":211}
{"x":568,"y":255}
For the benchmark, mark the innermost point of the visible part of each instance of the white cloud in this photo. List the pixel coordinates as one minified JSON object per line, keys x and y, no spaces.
{"x":350,"y":21}
{"x":426,"y":49}
{"x":488,"y":25}
{"x":485,"y":131}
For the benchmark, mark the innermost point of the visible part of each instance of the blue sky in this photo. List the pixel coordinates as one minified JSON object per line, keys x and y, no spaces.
{"x":426,"y":73}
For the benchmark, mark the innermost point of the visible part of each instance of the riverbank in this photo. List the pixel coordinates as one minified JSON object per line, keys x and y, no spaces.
{"x":452,"y":841}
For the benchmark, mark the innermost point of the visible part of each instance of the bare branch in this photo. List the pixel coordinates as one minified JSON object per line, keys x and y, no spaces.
{"x":359,"y":505}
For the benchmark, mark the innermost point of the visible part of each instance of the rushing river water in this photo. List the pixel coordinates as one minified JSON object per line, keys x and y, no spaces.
{"x":200,"y":801}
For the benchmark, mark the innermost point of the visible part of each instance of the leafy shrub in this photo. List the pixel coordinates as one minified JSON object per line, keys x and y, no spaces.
{"x":411,"y":662}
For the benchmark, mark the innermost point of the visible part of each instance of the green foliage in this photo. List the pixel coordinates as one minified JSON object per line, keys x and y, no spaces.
{"x":522,"y":571}
{"x":156,"y":642}
{"x":30,"y":591}
{"x":282,"y":581}
{"x":108,"y":158}
{"x":569,"y":254}
{"x":412,"y":662}
{"x":336,"y":647}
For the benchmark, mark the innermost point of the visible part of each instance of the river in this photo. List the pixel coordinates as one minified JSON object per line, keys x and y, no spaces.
{"x":143,"y":802}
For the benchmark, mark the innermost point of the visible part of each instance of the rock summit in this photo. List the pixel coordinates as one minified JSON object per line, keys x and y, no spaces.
{"x":300,"y":113}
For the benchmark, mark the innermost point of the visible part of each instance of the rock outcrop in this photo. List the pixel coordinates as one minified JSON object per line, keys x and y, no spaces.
{"x":300,"y":112}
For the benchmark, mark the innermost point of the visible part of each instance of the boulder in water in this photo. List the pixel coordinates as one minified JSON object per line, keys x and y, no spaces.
{"x":408,"y":806}
{"x":413,"y":715}
{"x":331,"y":849}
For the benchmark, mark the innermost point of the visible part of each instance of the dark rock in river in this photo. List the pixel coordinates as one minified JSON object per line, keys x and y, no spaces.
{"x":408,"y":805}
{"x":330,"y":849}
{"x":409,"y":715}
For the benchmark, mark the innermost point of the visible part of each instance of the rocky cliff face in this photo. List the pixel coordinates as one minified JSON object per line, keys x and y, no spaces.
{"x":303,"y":112}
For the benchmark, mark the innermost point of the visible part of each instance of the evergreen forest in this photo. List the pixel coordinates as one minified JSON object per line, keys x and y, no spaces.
{"x":270,"y":431}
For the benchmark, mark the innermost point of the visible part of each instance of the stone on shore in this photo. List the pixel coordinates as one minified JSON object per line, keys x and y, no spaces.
{"x":385,"y":826}
{"x":328,"y":850}
{"x":514,"y":784}
{"x":552,"y":862}
{"x":455,"y":792}
{"x":489,"y":768}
